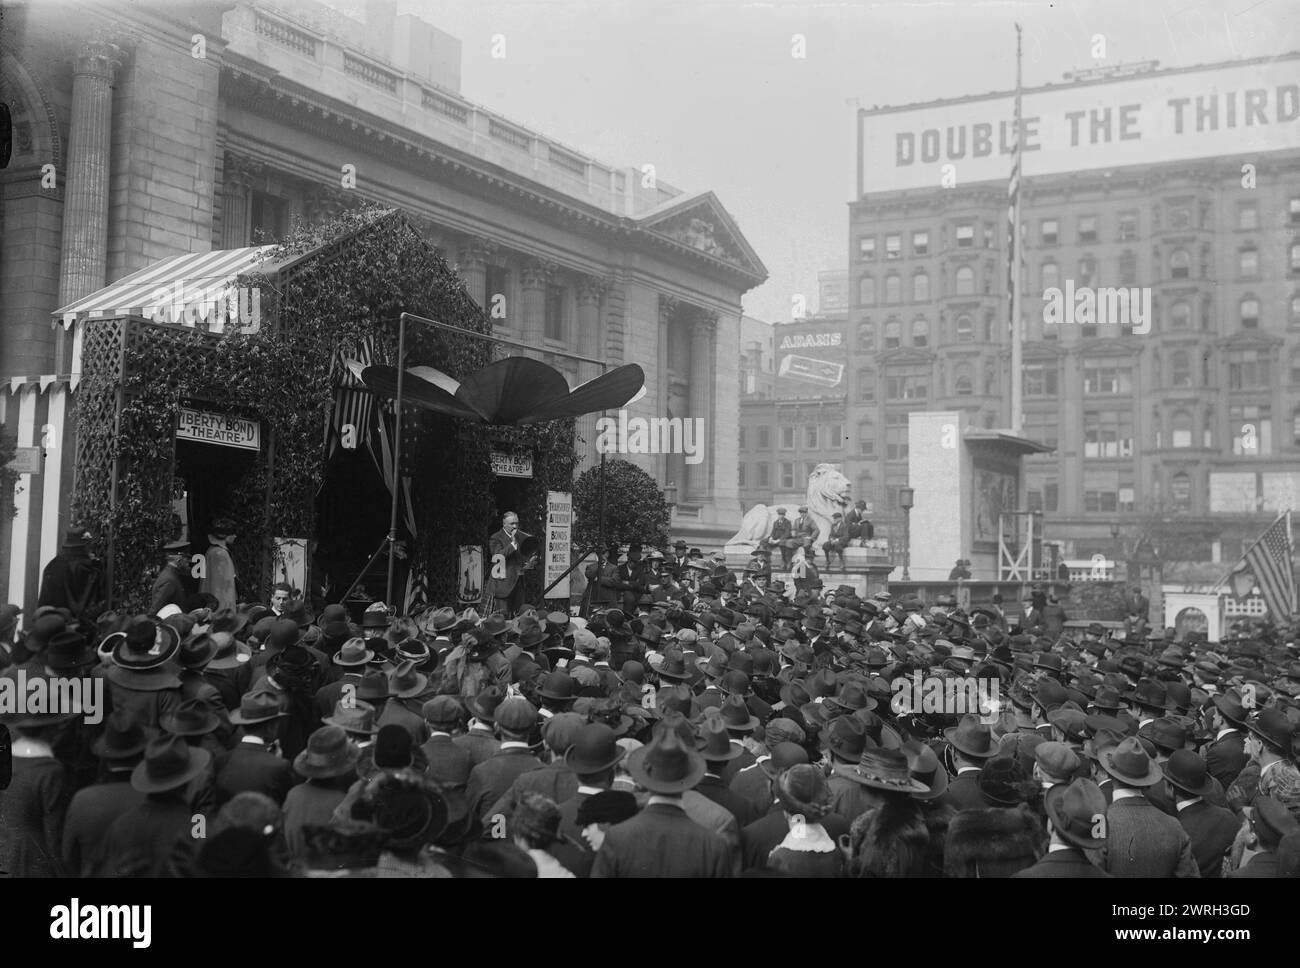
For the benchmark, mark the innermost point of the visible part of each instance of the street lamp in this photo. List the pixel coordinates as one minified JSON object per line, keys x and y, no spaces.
{"x":906,"y":497}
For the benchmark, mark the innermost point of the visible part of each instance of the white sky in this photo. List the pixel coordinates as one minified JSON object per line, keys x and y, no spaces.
{"x":707,"y":90}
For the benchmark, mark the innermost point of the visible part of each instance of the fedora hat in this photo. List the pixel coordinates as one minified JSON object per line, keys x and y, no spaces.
{"x":882,"y":769}
{"x":1130,"y":764}
{"x":122,"y":739}
{"x":441,"y":619}
{"x":257,"y":706}
{"x":329,"y":753}
{"x":1074,"y":810}
{"x":146,"y":645}
{"x":783,"y":756}
{"x":494,"y":625}
{"x":483,"y":707}
{"x":557,"y":686}
{"x":846,"y":738}
{"x":375,"y":618}
{"x":358,"y":717}
{"x":715,"y":743}
{"x":406,"y":681}
{"x":196,"y":651}
{"x":1150,"y":694}
{"x":972,"y":738}
{"x":68,"y":650}
{"x":666,"y":764}
{"x":736,"y":715}
{"x":1186,"y":771}
{"x":1230,"y":707}
{"x":1273,"y":727}
{"x":672,"y":666}
{"x":193,"y":717}
{"x":924,"y":766}
{"x":594,"y":750}
{"x":373,"y":685}
{"x":169,"y":762}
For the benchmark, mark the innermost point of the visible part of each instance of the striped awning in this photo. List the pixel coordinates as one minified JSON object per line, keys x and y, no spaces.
{"x":175,"y":290}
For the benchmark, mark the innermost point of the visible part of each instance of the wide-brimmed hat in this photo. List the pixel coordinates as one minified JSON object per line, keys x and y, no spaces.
{"x":196,"y":651}
{"x":169,"y":762}
{"x":146,"y":645}
{"x":258,"y":706}
{"x":557,"y":686}
{"x":406,"y":681}
{"x":666,"y":764}
{"x":846,"y":738}
{"x":375,"y":618}
{"x":1274,"y":727}
{"x":1074,"y":810}
{"x":1187,"y":771}
{"x":353,"y":652}
{"x":594,"y":750}
{"x":356,"y":717}
{"x":494,"y":625}
{"x":924,"y":766}
{"x":882,"y":769}
{"x":229,"y":653}
{"x":484,"y":706}
{"x":68,"y":650}
{"x":972,"y":738}
{"x":715,"y":743}
{"x":122,"y":739}
{"x":329,"y":753}
{"x":1130,"y":764}
{"x":193,"y":717}
{"x":736,"y":715}
{"x":409,"y":807}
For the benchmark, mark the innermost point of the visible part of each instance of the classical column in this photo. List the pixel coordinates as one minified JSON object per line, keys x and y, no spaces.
{"x":471,"y":263}
{"x":536,"y":276}
{"x":236,"y":182}
{"x":589,"y":340}
{"x":703,"y":324}
{"x":668,"y":306}
{"x":84,"y":256}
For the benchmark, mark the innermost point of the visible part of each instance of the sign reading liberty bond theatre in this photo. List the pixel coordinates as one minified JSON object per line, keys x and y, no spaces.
{"x":223,"y":429}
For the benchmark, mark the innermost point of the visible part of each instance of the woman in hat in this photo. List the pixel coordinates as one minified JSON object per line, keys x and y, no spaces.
{"x":535,"y":825}
{"x":409,"y":812}
{"x":889,"y":838}
{"x":807,"y":850}
{"x":329,"y":766}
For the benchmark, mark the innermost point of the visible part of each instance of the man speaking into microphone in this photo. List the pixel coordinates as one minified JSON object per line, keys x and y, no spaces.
{"x":511,"y":552}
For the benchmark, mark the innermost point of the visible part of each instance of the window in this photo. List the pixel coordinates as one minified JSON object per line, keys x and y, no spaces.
{"x":1180,"y":491}
{"x":1180,"y":264}
{"x":866,"y":336}
{"x":965,"y":281}
{"x":1295,"y":257}
{"x":1102,"y":378}
{"x":866,"y":385}
{"x":1106,"y":490}
{"x":965,"y":235}
{"x":866,"y":291}
{"x":963,"y":382}
{"x":1040,"y":380}
{"x":740,"y":475}
{"x":867,"y":248}
{"x":893,"y":334}
{"x":267,"y":218}
{"x":988,"y":236}
{"x":896,"y":441}
{"x":1128,"y":269}
{"x":1048,"y":230}
{"x":920,"y":332}
{"x":835,"y":437}
{"x":1181,"y":425}
{"x":893,"y":246}
{"x":893,"y":288}
{"x":1180,"y":218}
{"x":787,"y":438}
{"x":810,"y":435}
{"x":1180,"y":366}
{"x":1295,"y":211}
{"x":965,"y":328}
{"x":1248,"y":261}
{"x":920,"y":287}
{"x":787,"y":474}
{"x":920,"y":243}
{"x":1042,"y":426}
{"x":1051,"y":496}
{"x":1250,"y":313}
{"x":764,"y":474}
{"x":1128,"y":226}
{"x":555,"y":313}
{"x":1252,"y":430}
{"x":1247,"y":216}
{"x":1247,"y":369}
{"x":764,"y":438}
{"x":1180,"y":315}
{"x":741,"y":442}
{"x":1108,"y":433}
{"x":1051,"y":275}
{"x":1087,"y":228}
{"x":908,"y":387}
{"x":866,"y":439}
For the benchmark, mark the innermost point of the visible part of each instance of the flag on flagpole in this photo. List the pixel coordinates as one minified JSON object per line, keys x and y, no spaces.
{"x":1269,"y":560}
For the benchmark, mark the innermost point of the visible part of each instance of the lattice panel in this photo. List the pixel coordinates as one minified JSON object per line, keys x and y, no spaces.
{"x":101,"y":358}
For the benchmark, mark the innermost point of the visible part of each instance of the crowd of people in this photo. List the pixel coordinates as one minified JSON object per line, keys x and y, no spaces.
{"x":704,"y":723}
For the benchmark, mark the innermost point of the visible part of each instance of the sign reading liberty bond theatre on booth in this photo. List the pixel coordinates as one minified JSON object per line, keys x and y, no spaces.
{"x":1232,"y":111}
{"x":223,"y":429}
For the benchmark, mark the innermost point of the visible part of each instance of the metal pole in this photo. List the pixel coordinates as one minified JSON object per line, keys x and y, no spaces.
{"x":1017,"y":330}
{"x":907,"y":543}
{"x":397,"y":456}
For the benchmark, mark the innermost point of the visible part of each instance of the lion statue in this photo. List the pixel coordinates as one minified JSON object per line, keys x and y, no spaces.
{"x":828,"y":492}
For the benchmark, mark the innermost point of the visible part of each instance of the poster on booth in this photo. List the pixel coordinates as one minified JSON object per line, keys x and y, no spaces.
{"x":469,"y":584}
{"x":559,"y":541}
{"x":291,"y":564}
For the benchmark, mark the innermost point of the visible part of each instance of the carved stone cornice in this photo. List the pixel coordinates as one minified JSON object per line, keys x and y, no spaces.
{"x":474,"y":252}
{"x":99,"y":58}
{"x":704,"y":323}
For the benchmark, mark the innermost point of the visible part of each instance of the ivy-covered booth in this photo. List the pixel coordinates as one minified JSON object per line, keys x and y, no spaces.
{"x":327,"y":294}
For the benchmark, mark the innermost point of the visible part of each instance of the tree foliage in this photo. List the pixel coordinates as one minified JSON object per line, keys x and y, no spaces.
{"x":635,"y":509}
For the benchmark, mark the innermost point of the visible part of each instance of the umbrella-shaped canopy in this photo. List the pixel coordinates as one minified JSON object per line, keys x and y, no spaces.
{"x":509,"y":392}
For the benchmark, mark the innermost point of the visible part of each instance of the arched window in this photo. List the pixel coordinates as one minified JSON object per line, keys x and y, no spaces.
{"x":920,"y":287}
{"x":965,"y":281}
{"x":866,"y":336}
{"x":963,"y":382}
{"x":867,"y":291}
{"x":893,"y":334}
{"x":965,"y":329}
{"x":1180,"y":315}
{"x":920,"y":331}
{"x":893,"y":288}
{"x":1051,"y":275}
{"x":1182,"y":429}
{"x":1180,"y":264}
{"x":1180,"y":365}
{"x":1180,"y":491}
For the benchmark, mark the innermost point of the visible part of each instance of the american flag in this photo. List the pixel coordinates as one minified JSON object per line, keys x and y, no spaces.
{"x":353,"y":403}
{"x":1269,"y":559}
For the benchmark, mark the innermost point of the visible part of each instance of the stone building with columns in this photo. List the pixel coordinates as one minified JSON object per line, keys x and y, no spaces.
{"x":153,"y":130}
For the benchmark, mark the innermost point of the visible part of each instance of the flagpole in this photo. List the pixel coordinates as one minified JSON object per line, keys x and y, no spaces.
{"x":1286,"y":514}
{"x":1017,"y":334}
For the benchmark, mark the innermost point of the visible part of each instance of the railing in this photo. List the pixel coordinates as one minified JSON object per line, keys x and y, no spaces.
{"x":567,"y":161}
{"x":510,"y":135}
{"x":284,"y":35}
{"x":445,"y":106}
{"x":369,"y":73}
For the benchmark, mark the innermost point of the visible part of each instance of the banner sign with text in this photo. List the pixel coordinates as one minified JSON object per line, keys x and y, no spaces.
{"x":559,"y":541}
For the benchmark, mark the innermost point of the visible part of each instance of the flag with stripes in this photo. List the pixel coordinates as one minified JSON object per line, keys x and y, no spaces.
{"x":353,"y":403}
{"x":1269,"y":560}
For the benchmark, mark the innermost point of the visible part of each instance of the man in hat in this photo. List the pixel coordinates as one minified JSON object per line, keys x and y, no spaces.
{"x":1270,"y":822}
{"x":676,"y":565}
{"x":489,"y":780}
{"x":255,"y":763}
{"x":329,"y":767}
{"x":73,"y":579}
{"x":859,"y":528}
{"x":836,"y":539}
{"x":782,"y":532}
{"x":602,"y":579}
{"x":353,"y":658}
{"x":592,"y":756}
{"x":971,"y":746}
{"x":172,"y":584}
{"x":959,"y":571}
{"x":1225,"y":757}
{"x":449,"y":764}
{"x":661,"y":840}
{"x":218,"y":577}
{"x":1212,"y":828}
{"x":140,"y":679}
{"x":805,"y":530}
{"x":630,"y":579}
{"x":1072,"y":814}
{"x":1141,"y":841}
{"x":94,"y":808}
{"x":33,"y":805}
{"x":508,"y":561}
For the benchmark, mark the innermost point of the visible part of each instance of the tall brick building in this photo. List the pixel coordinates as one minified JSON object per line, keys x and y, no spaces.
{"x":148,"y":130}
{"x":1187,"y":434}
